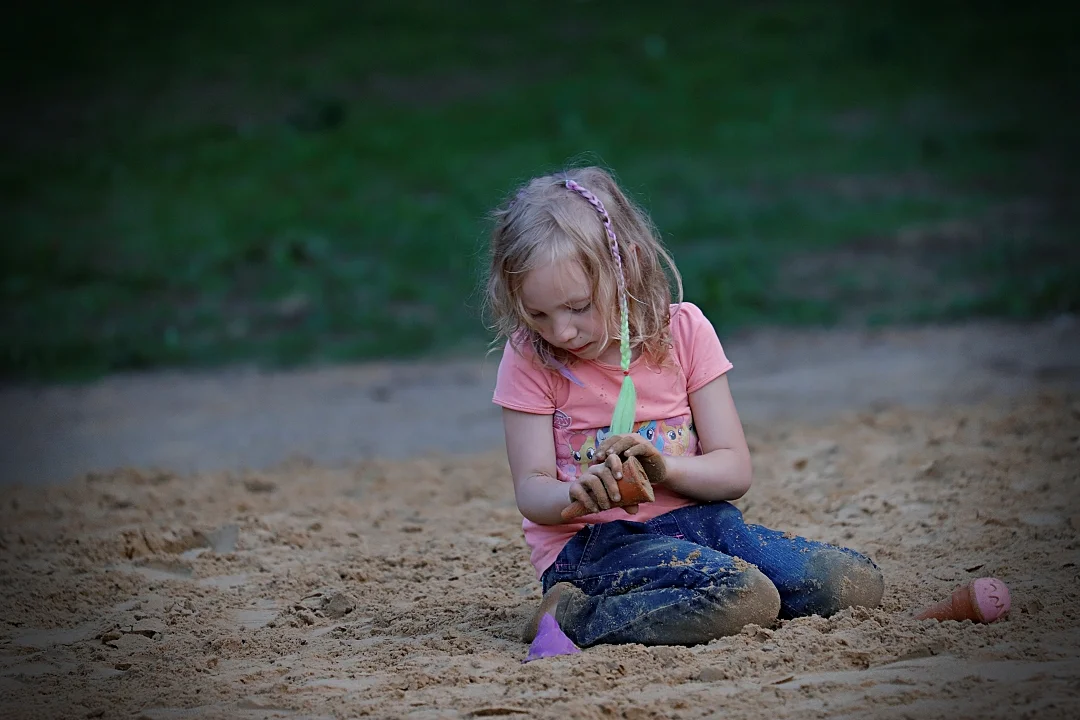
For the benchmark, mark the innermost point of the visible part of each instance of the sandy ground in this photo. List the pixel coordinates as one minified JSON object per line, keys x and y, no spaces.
{"x":330,"y":587}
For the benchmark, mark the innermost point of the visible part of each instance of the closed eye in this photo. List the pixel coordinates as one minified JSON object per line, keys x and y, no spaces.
{"x":576,"y":310}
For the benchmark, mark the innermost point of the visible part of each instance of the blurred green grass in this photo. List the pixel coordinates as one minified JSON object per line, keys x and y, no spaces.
{"x":286,"y":183}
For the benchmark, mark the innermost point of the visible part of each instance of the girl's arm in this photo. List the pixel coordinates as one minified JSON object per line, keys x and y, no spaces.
{"x":540,"y":495}
{"x":721,"y":472}
{"x":530,"y":448}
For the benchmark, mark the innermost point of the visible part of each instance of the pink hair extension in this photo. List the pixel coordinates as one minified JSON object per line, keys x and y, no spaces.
{"x":623,"y":418}
{"x":599,"y":205}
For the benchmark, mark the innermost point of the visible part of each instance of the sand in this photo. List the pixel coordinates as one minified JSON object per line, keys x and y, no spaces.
{"x":399,"y":588}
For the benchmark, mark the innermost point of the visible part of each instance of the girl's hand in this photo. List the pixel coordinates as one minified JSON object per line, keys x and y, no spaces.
{"x":598,"y":490}
{"x":614,"y":448}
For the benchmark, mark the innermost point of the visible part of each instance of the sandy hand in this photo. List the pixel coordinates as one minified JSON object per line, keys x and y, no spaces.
{"x":633,"y":489}
{"x":632,"y":445}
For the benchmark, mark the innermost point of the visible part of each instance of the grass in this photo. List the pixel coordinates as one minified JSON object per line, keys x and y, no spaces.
{"x":284,"y":183}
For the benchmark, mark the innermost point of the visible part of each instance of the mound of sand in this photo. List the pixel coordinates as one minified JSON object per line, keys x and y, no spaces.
{"x":398,"y":589}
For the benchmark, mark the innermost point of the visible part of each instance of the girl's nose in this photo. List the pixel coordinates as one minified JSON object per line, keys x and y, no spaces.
{"x":566,"y":333}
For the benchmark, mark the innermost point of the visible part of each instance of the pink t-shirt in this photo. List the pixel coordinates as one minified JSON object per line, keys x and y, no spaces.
{"x":581,"y":400}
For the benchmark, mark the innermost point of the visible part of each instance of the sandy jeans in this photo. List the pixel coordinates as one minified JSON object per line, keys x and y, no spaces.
{"x":660,"y":581}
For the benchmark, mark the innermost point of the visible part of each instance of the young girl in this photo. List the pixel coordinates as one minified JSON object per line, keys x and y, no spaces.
{"x":579,"y":288}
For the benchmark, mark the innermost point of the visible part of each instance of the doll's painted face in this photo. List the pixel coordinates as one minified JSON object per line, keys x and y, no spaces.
{"x":558,"y":298}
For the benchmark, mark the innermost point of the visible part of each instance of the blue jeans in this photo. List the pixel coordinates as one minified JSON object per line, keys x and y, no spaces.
{"x":642,"y":579}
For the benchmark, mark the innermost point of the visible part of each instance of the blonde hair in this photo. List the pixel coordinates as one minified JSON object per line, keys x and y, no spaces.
{"x":546,"y":221}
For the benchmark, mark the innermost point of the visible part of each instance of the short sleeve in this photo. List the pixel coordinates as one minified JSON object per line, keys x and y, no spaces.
{"x":522,"y":385}
{"x":697,"y":347}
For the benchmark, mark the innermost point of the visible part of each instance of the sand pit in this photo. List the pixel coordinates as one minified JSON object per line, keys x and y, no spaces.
{"x":398,"y":589}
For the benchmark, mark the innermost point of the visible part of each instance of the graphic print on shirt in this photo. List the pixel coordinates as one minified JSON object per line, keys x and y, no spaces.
{"x":564,"y":456}
{"x":647,"y":430}
{"x":583,"y":448}
{"x":650,"y":432}
{"x":575,"y":449}
{"x":675,"y":438}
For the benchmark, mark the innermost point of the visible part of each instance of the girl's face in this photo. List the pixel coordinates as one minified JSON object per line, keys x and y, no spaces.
{"x":558,"y":299}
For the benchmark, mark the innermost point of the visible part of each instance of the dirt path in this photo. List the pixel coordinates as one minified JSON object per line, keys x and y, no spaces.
{"x":242,"y":418}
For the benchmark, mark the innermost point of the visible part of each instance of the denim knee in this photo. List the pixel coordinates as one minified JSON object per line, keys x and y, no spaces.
{"x":755,"y":601}
{"x":834,"y":579}
{"x":722,"y":609}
